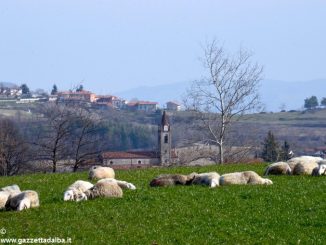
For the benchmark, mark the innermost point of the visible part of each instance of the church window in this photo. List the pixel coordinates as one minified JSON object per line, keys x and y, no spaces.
{"x":166,"y":139}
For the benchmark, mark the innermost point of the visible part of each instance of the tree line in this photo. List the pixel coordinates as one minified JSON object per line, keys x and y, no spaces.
{"x":312,"y":102}
{"x":58,"y":132}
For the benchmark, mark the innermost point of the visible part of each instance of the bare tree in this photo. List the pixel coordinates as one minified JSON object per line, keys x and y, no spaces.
{"x":227,"y":92}
{"x":53,"y":132}
{"x":86,"y":141}
{"x":13,"y":149}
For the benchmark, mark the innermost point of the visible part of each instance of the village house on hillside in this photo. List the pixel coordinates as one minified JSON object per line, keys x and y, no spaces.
{"x":164,"y":155}
{"x":78,"y":96}
{"x":10,"y":92}
{"x":110,"y":101}
{"x":147,"y":106}
{"x":173,"y":106}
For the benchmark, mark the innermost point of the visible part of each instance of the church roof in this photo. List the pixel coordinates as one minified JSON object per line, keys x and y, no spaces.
{"x":134,"y":154}
{"x":130,"y":154}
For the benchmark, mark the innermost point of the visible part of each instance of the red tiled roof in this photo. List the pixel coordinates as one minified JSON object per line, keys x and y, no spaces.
{"x":142,"y":103}
{"x":173,"y":102}
{"x":130,"y":154}
{"x":134,"y":154}
{"x":105,"y":96}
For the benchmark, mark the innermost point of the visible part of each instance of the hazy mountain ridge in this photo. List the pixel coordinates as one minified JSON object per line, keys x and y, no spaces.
{"x":273,"y":93}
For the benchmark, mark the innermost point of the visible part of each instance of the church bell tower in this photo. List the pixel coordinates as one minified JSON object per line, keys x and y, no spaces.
{"x":165,"y":140}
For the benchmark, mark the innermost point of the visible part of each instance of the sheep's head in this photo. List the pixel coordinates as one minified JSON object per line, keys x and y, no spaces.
{"x":322,"y":169}
{"x":190,"y":178}
{"x":268,"y":182}
{"x":81,"y":197}
{"x":68,"y":195}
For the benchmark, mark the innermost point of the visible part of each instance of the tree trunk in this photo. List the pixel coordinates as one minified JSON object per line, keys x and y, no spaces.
{"x":221,"y":160}
{"x":75,"y":167}
{"x":54,"y":167}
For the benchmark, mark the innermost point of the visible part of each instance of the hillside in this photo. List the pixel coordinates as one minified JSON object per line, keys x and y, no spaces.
{"x":290,"y":211}
{"x":273,"y":93}
{"x":126,"y":130}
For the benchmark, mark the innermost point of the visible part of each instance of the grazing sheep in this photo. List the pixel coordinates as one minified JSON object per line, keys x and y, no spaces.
{"x":172,"y":179}
{"x":121,"y":183}
{"x":320,"y":170}
{"x":6,"y":193}
{"x":243,"y":178}
{"x":24,"y":200}
{"x":105,"y":189}
{"x":303,"y":160}
{"x":211,"y":179}
{"x":75,"y":189}
{"x":278,"y":168}
{"x":98,"y":172}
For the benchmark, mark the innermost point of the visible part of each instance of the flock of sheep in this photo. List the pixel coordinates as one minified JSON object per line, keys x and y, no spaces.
{"x":306,"y":165}
{"x":12,"y":198}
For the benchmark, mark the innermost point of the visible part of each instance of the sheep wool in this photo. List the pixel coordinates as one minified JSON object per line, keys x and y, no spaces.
{"x":121,"y":183}
{"x":304,"y":168}
{"x":278,"y":168}
{"x":172,"y":179}
{"x":3,"y":199}
{"x":303,"y":160}
{"x":99,"y":172}
{"x":11,"y":188}
{"x":105,"y":189}
{"x":75,"y":189}
{"x":210,"y":179}
{"x":243,"y":178}
{"x":24,"y":200}
{"x":6,"y":193}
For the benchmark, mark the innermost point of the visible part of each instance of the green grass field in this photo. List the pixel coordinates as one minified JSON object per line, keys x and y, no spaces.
{"x":291,"y":211}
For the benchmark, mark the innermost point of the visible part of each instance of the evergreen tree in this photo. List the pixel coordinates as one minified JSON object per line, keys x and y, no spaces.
{"x":285,"y":150}
{"x":270,"y":151}
{"x":80,"y":88}
{"x":323,"y":102}
{"x":311,"y":103}
{"x":54,"y":90}
{"x":25,"y":89}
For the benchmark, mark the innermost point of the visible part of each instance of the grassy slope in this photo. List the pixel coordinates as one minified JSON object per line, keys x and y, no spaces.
{"x":292,"y":209}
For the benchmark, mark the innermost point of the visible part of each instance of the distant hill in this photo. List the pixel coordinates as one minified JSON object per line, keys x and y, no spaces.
{"x":7,"y":84}
{"x":273,"y":93}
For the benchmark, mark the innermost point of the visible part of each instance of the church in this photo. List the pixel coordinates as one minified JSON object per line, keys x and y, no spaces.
{"x":163,"y":156}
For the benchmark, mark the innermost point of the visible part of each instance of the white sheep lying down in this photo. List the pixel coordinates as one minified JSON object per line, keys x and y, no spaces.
{"x":308,"y":161}
{"x":320,"y":169}
{"x":75,"y":189}
{"x":24,"y":200}
{"x":121,"y":183}
{"x":6,"y":193}
{"x":243,"y":178}
{"x":210,"y":179}
{"x":278,"y":168}
{"x":99,"y":172}
{"x":103,"y":188}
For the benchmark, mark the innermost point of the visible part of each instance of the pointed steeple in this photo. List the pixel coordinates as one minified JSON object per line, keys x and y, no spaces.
{"x":165,"y":119}
{"x":165,"y":140}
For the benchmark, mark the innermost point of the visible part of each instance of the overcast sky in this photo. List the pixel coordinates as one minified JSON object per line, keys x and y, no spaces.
{"x":116,"y":45}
